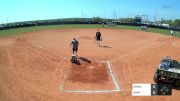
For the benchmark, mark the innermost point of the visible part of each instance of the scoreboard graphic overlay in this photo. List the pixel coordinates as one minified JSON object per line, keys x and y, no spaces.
{"x":151,"y":89}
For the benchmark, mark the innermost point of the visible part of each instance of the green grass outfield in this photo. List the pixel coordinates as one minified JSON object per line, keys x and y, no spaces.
{"x":16,"y":31}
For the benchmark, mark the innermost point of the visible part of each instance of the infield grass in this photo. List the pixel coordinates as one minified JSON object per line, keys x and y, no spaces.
{"x":16,"y":31}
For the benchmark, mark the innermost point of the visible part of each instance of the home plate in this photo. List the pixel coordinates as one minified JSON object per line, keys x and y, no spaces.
{"x":94,"y":77}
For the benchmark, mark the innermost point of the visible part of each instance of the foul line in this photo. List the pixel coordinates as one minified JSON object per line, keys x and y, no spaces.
{"x":110,"y":70}
{"x":90,"y":91}
{"x":113,"y":77}
{"x":36,"y":45}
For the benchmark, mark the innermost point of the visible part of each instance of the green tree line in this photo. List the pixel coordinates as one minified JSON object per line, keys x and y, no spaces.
{"x":172,"y":22}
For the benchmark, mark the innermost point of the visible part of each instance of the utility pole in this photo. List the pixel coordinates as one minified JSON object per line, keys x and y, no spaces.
{"x":82,"y":14}
{"x":114,"y":14}
{"x":93,"y":14}
{"x":157,"y":16}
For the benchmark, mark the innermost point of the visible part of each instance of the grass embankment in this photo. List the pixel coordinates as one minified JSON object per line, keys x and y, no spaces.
{"x":38,"y":28}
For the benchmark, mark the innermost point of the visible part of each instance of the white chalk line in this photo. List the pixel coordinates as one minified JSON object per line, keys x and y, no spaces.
{"x":90,"y":91}
{"x":136,"y":50}
{"x":110,"y":70}
{"x":65,"y":58}
{"x":113,"y":78}
{"x":36,"y":45}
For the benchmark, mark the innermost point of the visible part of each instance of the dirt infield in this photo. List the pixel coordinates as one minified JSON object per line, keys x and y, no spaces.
{"x":34,"y":65}
{"x":87,"y":77}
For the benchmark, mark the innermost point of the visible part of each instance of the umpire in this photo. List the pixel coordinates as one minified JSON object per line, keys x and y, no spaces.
{"x":74,"y":45}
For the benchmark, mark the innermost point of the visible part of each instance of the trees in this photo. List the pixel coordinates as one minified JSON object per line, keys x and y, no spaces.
{"x":177,"y":22}
{"x":127,"y":20}
{"x":172,"y":22}
{"x":97,"y":19}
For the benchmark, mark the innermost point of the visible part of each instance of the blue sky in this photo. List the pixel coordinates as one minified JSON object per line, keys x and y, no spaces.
{"x":24,"y":10}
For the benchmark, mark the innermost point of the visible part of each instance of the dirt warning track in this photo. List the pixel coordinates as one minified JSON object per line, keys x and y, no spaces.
{"x":35,"y":65}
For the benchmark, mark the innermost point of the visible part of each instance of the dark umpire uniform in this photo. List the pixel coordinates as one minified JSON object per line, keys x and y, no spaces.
{"x":74,"y":45}
{"x":98,"y":37}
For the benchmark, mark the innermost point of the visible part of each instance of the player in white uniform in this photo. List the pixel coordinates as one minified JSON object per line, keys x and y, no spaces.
{"x":172,"y":33}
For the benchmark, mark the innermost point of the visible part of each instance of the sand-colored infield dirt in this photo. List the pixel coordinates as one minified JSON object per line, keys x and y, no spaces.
{"x":36,"y":66}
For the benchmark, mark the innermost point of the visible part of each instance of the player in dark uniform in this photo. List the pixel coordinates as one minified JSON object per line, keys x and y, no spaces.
{"x":98,"y":37}
{"x":74,"y":45}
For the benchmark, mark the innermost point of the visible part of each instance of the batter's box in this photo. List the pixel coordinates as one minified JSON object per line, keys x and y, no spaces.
{"x":94,"y":77}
